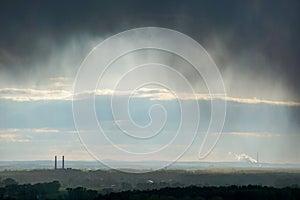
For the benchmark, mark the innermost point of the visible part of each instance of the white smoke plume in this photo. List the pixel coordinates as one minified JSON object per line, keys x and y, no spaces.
{"x":243,"y":157}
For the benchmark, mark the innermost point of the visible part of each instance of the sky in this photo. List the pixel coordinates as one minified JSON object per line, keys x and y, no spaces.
{"x":254,"y":44}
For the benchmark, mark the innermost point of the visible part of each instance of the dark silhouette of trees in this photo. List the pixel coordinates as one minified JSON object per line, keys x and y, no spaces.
{"x":51,"y":191}
{"x":9,"y":181}
{"x":216,"y":193}
{"x":13,"y":190}
{"x":81,"y":193}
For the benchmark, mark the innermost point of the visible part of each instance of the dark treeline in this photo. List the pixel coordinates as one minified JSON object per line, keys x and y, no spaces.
{"x":10,"y":189}
{"x":211,"y":193}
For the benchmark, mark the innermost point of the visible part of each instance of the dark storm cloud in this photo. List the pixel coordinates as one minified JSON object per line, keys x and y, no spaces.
{"x":262,"y":33}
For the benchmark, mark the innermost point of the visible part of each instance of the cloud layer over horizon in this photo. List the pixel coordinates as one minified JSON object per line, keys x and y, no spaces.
{"x":253,"y":43}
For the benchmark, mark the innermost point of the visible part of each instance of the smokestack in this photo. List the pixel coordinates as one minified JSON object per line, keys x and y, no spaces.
{"x":63,"y":162}
{"x":257,"y":158}
{"x":55,"y":162}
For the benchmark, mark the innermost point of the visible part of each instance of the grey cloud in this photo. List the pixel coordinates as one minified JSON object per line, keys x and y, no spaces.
{"x":258,"y":38}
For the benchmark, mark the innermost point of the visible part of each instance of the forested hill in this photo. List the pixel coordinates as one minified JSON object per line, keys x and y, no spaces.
{"x":12,"y":190}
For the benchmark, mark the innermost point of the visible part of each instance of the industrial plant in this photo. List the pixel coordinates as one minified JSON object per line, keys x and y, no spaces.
{"x":62,"y":163}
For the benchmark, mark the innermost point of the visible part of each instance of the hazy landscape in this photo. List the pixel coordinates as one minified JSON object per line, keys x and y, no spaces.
{"x":145,"y":165}
{"x":109,"y":184}
{"x":89,"y":180}
{"x":116,"y":180}
{"x":149,"y":99}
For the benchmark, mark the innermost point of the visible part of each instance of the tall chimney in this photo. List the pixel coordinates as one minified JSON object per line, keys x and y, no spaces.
{"x":257,"y":158}
{"x":55,"y":162}
{"x":63,"y":162}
